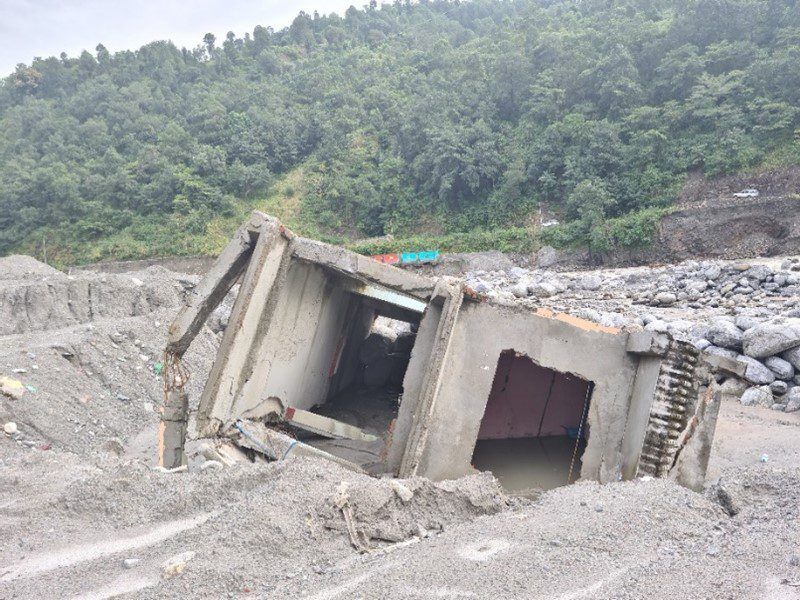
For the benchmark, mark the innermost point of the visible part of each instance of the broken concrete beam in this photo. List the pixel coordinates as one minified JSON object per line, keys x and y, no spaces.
{"x":279,"y":446}
{"x":232,"y":367}
{"x":325,"y":426}
{"x":350,"y":263}
{"x":646,"y":343}
{"x":212,"y":289}
{"x":724,"y":364}
{"x":172,"y":429}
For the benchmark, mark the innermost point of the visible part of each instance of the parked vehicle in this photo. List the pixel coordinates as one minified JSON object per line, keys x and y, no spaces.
{"x":747,"y":193}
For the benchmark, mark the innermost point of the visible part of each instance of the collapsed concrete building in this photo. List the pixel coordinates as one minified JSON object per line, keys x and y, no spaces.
{"x":483,"y":383}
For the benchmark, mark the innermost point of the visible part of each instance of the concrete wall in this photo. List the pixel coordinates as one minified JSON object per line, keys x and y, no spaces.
{"x":413,"y":381}
{"x":481,"y":333}
{"x":300,"y":345}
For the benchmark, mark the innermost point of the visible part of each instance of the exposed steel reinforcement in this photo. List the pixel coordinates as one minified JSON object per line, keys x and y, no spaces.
{"x":673,"y":404}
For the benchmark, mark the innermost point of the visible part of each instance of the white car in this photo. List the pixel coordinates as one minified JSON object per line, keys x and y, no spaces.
{"x":747,"y":193}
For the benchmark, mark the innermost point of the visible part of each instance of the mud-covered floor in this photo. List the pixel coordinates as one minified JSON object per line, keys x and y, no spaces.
{"x":372,"y":410}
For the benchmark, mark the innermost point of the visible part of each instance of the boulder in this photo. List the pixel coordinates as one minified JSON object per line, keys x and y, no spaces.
{"x":659,"y":326}
{"x":756,"y":372}
{"x":758,"y":396}
{"x":745,"y":322}
{"x":771,"y":338}
{"x":546,"y":257}
{"x":778,"y":387}
{"x":702,"y":344}
{"x":733,"y":386}
{"x":725,"y":334}
{"x":792,"y":356}
{"x":758,"y":272}
{"x":783,"y":369}
{"x":665,"y":298}
{"x":717,"y":351}
{"x":793,"y":404}
{"x":590,"y":282}
{"x":542,"y":290}
{"x":520,"y":290}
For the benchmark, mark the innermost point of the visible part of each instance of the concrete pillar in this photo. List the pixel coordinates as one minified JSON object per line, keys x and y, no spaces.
{"x":172,"y":429}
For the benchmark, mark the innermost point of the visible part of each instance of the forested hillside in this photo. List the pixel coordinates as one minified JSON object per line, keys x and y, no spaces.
{"x":428,"y":118}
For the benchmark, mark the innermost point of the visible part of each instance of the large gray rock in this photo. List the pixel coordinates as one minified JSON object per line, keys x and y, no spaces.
{"x":542,"y":290}
{"x":520,"y":290}
{"x":547,"y":256}
{"x":793,"y":404}
{"x":665,"y":298}
{"x":724,"y":352}
{"x":756,"y":372}
{"x":712,"y":272}
{"x":745,"y":322}
{"x":758,"y":272}
{"x":778,"y":387}
{"x":792,"y":356}
{"x":783,"y":369}
{"x":758,"y":396}
{"x":591,"y":282}
{"x":733,"y":386}
{"x":771,"y":338}
{"x":725,"y":334}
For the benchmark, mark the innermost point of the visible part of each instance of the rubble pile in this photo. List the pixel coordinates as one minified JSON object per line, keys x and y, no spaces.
{"x":745,"y":311}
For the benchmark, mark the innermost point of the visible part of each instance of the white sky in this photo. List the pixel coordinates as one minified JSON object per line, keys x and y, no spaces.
{"x":44,"y":28}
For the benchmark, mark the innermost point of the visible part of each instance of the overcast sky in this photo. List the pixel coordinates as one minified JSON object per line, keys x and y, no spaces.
{"x":44,"y":28}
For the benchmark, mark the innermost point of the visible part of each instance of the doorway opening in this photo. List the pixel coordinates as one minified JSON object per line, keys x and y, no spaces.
{"x":365,"y":373}
{"x":534,"y":430}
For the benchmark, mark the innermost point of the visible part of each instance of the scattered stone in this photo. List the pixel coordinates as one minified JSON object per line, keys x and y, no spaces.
{"x":130,"y":563}
{"x":793,"y":402}
{"x":769,"y":339}
{"x":665,"y":298}
{"x":779,"y":388}
{"x":402,"y":491}
{"x":520,"y":290}
{"x":783,"y":369}
{"x":758,"y":396}
{"x":725,"y":334}
{"x":11,"y":388}
{"x":590,"y":282}
{"x":10,"y":428}
{"x":176,"y":565}
{"x":756,"y":372}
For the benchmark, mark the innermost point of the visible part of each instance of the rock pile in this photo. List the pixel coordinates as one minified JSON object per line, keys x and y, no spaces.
{"x":691,"y":284}
{"x":748,"y":312}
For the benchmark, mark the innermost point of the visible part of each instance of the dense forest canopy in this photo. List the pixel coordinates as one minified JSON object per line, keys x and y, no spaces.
{"x":434,"y":117}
